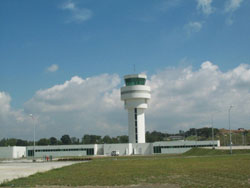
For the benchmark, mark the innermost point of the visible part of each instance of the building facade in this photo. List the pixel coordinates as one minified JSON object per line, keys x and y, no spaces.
{"x":125,"y":149}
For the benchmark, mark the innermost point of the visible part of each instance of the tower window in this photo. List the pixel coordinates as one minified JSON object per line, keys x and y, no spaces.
{"x":136,"y":131}
{"x":135,"y":81}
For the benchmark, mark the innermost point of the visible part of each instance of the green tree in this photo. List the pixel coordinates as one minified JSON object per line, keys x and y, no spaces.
{"x":66,"y":139}
{"x":91,"y":139}
{"x":107,"y":140}
{"x":43,"y":142}
{"x":86,"y":139}
{"x":20,"y":142}
{"x":75,"y":140}
{"x":3,"y":142}
{"x":123,"y":139}
{"x":53,"y":141}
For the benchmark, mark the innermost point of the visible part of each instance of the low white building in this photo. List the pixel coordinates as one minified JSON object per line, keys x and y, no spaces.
{"x":62,"y":150}
{"x":12,"y":152}
{"x":166,"y":147}
{"x":123,"y":149}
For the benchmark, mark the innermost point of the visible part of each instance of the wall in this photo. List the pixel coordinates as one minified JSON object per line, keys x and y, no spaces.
{"x":142,"y":149}
{"x":12,"y":152}
{"x":6,"y":152}
{"x":19,"y":152}
{"x":124,"y":149}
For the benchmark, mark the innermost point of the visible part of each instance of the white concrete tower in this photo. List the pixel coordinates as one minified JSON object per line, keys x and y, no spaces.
{"x":135,"y":96}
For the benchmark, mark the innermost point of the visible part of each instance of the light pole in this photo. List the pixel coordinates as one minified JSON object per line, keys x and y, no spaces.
{"x":212,"y":122}
{"x":230,"y":134}
{"x":34,"y":137}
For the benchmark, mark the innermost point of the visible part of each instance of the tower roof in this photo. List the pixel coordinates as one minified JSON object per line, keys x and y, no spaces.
{"x":135,"y":76}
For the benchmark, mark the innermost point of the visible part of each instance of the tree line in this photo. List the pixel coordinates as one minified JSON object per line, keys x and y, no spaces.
{"x":154,"y":136}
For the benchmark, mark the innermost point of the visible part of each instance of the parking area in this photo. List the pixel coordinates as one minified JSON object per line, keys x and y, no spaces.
{"x":22,"y":168}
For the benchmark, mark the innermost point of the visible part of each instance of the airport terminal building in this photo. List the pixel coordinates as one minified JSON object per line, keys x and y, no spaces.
{"x":170,"y":147}
{"x":126,"y":149}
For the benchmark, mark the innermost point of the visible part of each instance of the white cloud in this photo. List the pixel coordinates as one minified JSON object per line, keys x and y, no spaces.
{"x":232,"y":5}
{"x":53,"y":68}
{"x":193,"y":27}
{"x":205,"y":6}
{"x":182,"y":98}
{"x":78,"y":15}
{"x":12,"y":122}
{"x":80,"y":106}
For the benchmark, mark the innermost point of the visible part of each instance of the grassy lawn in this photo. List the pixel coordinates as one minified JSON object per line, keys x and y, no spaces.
{"x":209,"y":170}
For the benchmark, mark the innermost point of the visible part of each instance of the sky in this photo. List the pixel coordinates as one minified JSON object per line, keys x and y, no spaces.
{"x":64,"y":62}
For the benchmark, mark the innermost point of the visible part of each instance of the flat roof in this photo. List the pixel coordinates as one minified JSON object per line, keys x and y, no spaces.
{"x":135,"y":76}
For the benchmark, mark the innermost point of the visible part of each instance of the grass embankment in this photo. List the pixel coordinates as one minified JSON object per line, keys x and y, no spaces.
{"x":211,"y":171}
{"x":208,"y":152}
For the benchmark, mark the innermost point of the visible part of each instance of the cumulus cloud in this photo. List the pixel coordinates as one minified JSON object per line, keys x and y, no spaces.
{"x":205,"y":6}
{"x":80,"y":106}
{"x":78,"y":15}
{"x":182,"y":98}
{"x":12,"y":122}
{"x":53,"y":68}
{"x":232,"y":5}
{"x":193,"y":27}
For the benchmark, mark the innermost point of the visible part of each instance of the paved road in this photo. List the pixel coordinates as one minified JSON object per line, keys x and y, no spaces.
{"x":15,"y":169}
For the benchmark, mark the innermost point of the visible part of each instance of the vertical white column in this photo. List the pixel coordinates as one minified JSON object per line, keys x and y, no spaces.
{"x":131,"y":125}
{"x":141,"y":125}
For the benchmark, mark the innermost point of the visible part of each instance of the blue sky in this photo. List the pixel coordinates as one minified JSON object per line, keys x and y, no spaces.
{"x":45,"y":43}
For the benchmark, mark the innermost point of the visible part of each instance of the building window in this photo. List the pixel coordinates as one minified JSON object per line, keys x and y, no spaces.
{"x":136,"y":131}
{"x":135,"y":81}
{"x":30,"y":153}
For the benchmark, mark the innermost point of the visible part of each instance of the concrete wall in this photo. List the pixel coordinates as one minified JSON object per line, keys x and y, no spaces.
{"x":19,"y":152}
{"x":12,"y":152}
{"x":100,"y":149}
{"x":124,"y":149}
{"x":142,"y":149}
{"x":6,"y":152}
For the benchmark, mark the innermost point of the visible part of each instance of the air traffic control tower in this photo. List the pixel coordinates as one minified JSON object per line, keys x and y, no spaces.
{"x":135,"y":95}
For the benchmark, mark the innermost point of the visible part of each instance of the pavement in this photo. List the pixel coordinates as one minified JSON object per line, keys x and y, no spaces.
{"x":13,"y":169}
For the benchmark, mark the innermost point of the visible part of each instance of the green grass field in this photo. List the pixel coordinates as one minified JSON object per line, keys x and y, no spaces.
{"x":209,"y":168}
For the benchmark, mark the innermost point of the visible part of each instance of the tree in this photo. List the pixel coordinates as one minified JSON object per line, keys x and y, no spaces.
{"x":74,"y":140}
{"x":11,"y":142}
{"x":43,"y":142}
{"x":66,"y":139}
{"x":86,"y":139}
{"x":107,"y":140}
{"x":53,"y":141}
{"x":155,"y":136}
{"x":20,"y":142}
{"x":3,"y":142}
{"x":91,"y":139}
{"x":123,"y":139}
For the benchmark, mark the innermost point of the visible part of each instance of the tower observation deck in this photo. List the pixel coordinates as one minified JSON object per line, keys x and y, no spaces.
{"x":135,"y":95}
